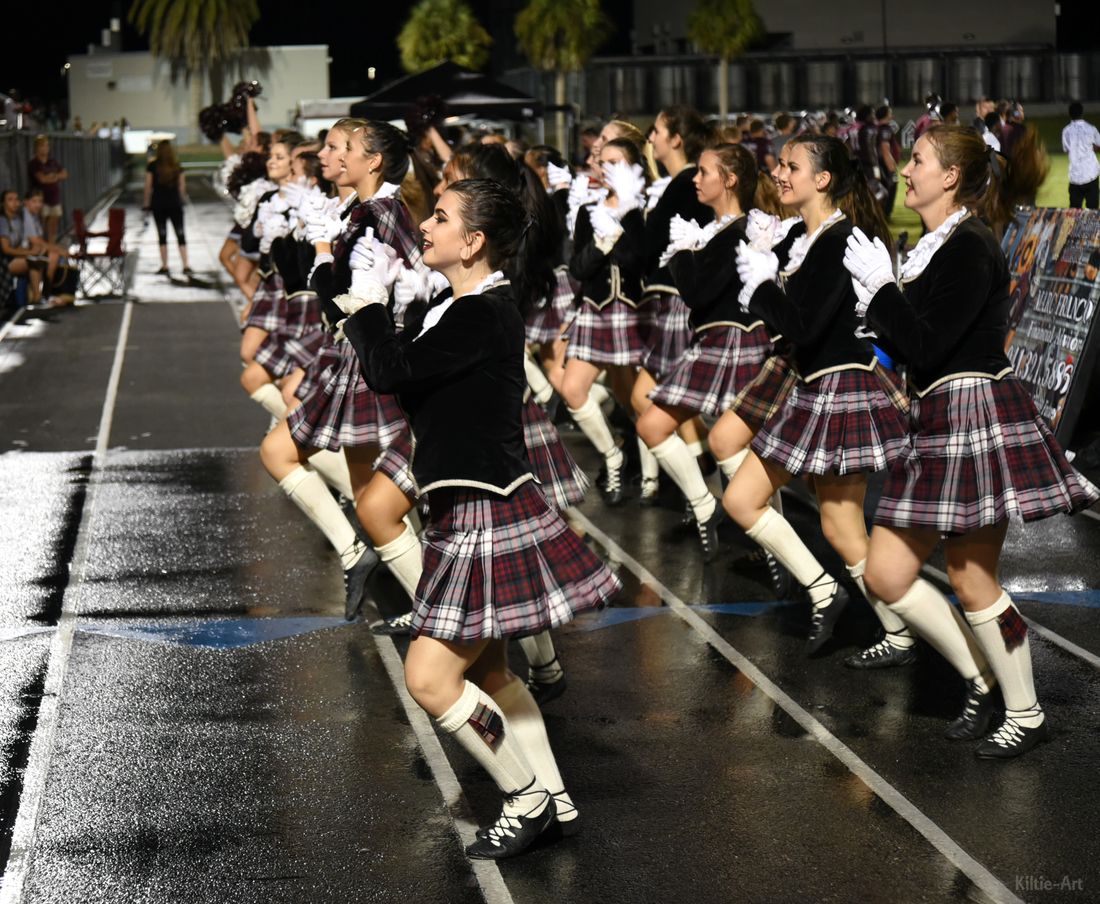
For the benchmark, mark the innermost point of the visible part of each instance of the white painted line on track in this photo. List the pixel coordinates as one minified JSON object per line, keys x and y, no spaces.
{"x":486,"y":871}
{"x":10,"y":325}
{"x":20,"y":860}
{"x":1042,"y":630}
{"x":1089,"y":513}
{"x":937,"y":837}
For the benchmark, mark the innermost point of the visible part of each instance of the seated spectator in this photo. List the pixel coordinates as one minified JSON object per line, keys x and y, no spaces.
{"x":47,"y":174}
{"x":45,"y":255}
{"x":14,"y":250}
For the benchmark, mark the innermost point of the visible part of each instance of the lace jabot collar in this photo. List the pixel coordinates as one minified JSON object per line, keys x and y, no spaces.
{"x":929,"y":244}
{"x":800,"y":247}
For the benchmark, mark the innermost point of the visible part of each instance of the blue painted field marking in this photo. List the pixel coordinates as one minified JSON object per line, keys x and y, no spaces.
{"x":218,"y":634}
{"x":1088,"y":599}
{"x":615,"y":615}
{"x":743,"y":609}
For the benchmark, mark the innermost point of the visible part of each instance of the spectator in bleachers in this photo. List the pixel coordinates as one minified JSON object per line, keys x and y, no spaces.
{"x":982,"y":108}
{"x":761,"y":145}
{"x":15,"y":252}
{"x":47,"y":174}
{"x":785,"y":126}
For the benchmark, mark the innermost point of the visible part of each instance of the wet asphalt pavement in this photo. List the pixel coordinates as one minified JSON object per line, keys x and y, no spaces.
{"x":185,"y":715}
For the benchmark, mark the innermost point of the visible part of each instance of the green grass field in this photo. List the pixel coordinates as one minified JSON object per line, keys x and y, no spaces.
{"x":1052,"y":193}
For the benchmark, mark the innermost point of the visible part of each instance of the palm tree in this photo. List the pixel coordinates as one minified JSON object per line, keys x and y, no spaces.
{"x":441,"y":30}
{"x":559,"y":36}
{"x":727,"y":28}
{"x":196,"y":37}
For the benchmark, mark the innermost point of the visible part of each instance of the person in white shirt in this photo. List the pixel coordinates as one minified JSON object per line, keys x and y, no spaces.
{"x":1081,"y":141}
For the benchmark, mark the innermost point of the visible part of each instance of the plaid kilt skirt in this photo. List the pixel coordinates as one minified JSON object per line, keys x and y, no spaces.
{"x":978,"y":453}
{"x":560,"y":478}
{"x":544,"y":325}
{"x":758,"y":401}
{"x":268,"y":310}
{"x":296,"y":343}
{"x":721,"y":362}
{"x":341,"y":410}
{"x":394,"y":462}
{"x":497,"y":566}
{"x":842,"y":423}
{"x":326,"y":356}
{"x":608,"y":336}
{"x":667,"y":333}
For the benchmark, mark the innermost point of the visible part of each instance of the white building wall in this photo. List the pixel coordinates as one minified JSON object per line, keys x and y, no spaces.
{"x":110,"y":86}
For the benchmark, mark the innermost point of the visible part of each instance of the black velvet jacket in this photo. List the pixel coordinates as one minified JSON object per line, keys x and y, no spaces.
{"x":680,"y":198}
{"x":953,"y":318}
{"x":708,"y":281}
{"x":461,"y":385}
{"x":607,"y":277}
{"x":816,"y":308}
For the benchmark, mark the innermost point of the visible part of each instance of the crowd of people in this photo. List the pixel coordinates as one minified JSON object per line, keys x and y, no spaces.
{"x":29,"y":226}
{"x":694,"y":297}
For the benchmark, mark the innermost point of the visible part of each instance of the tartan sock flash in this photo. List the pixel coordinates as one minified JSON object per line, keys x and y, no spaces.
{"x":1011,"y":664}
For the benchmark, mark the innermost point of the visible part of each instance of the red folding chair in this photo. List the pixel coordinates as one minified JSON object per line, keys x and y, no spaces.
{"x":103,"y":269}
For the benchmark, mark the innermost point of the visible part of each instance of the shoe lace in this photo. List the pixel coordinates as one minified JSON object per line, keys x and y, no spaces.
{"x":1009,"y":734}
{"x":650,"y":486}
{"x":614,"y":479}
{"x":507,"y":825}
{"x":401,"y":621}
{"x":877,"y":651}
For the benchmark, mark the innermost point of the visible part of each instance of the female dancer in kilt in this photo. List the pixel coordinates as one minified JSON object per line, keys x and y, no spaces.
{"x":608,"y":261}
{"x":499,"y":562}
{"x":391,"y":493}
{"x":677,"y":139}
{"x":728,"y":346}
{"x":979,"y":451}
{"x":268,"y":223}
{"x":293,"y":310}
{"x":341,"y":412}
{"x":841,"y":419}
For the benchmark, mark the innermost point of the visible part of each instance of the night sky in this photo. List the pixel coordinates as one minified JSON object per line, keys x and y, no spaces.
{"x":359,"y":35}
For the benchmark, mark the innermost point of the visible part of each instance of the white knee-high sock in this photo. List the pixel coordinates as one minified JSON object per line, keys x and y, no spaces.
{"x":529,"y":730}
{"x":897,"y":632}
{"x":477,"y":723}
{"x":1011,"y":666}
{"x":696,"y":447}
{"x":270,"y":400}
{"x":307,"y":490}
{"x":683,"y":468}
{"x":536,"y":379}
{"x":730,"y":466}
{"x":777,"y":502}
{"x":333,"y":468}
{"x":412,"y":519}
{"x":541,"y":657}
{"x":403,"y":558}
{"x":651,"y":468}
{"x":599,"y":393}
{"x":775,"y":534}
{"x":594,"y":426}
{"x":930,"y":615}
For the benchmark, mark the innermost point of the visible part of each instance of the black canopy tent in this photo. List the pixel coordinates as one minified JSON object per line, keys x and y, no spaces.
{"x":462,"y":90}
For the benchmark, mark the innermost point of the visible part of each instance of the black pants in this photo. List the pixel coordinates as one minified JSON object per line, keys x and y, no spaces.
{"x":1087,"y":195}
{"x":161,"y":216}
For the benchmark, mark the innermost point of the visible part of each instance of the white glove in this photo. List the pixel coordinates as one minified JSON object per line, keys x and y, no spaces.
{"x":869,"y":263}
{"x":321,"y":226}
{"x":274,"y":226}
{"x":294,"y":194}
{"x":755,"y":268}
{"x":683,"y":235}
{"x":578,"y":191}
{"x":760,"y":229}
{"x":558,"y":177}
{"x":627,"y":182}
{"x":654,"y":192}
{"x":410,"y":285}
{"x":317,"y":261}
{"x":278,"y":204}
{"x":374,"y":268}
{"x":606,"y":227}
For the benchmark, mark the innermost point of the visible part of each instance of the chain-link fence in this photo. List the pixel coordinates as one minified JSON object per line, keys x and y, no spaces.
{"x":95,"y":166}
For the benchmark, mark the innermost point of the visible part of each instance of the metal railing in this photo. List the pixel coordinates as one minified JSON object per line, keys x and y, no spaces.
{"x":95,"y":165}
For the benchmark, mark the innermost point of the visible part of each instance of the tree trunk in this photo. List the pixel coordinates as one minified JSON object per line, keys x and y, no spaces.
{"x":723,"y":88}
{"x":559,"y":116}
{"x":196,"y":82}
